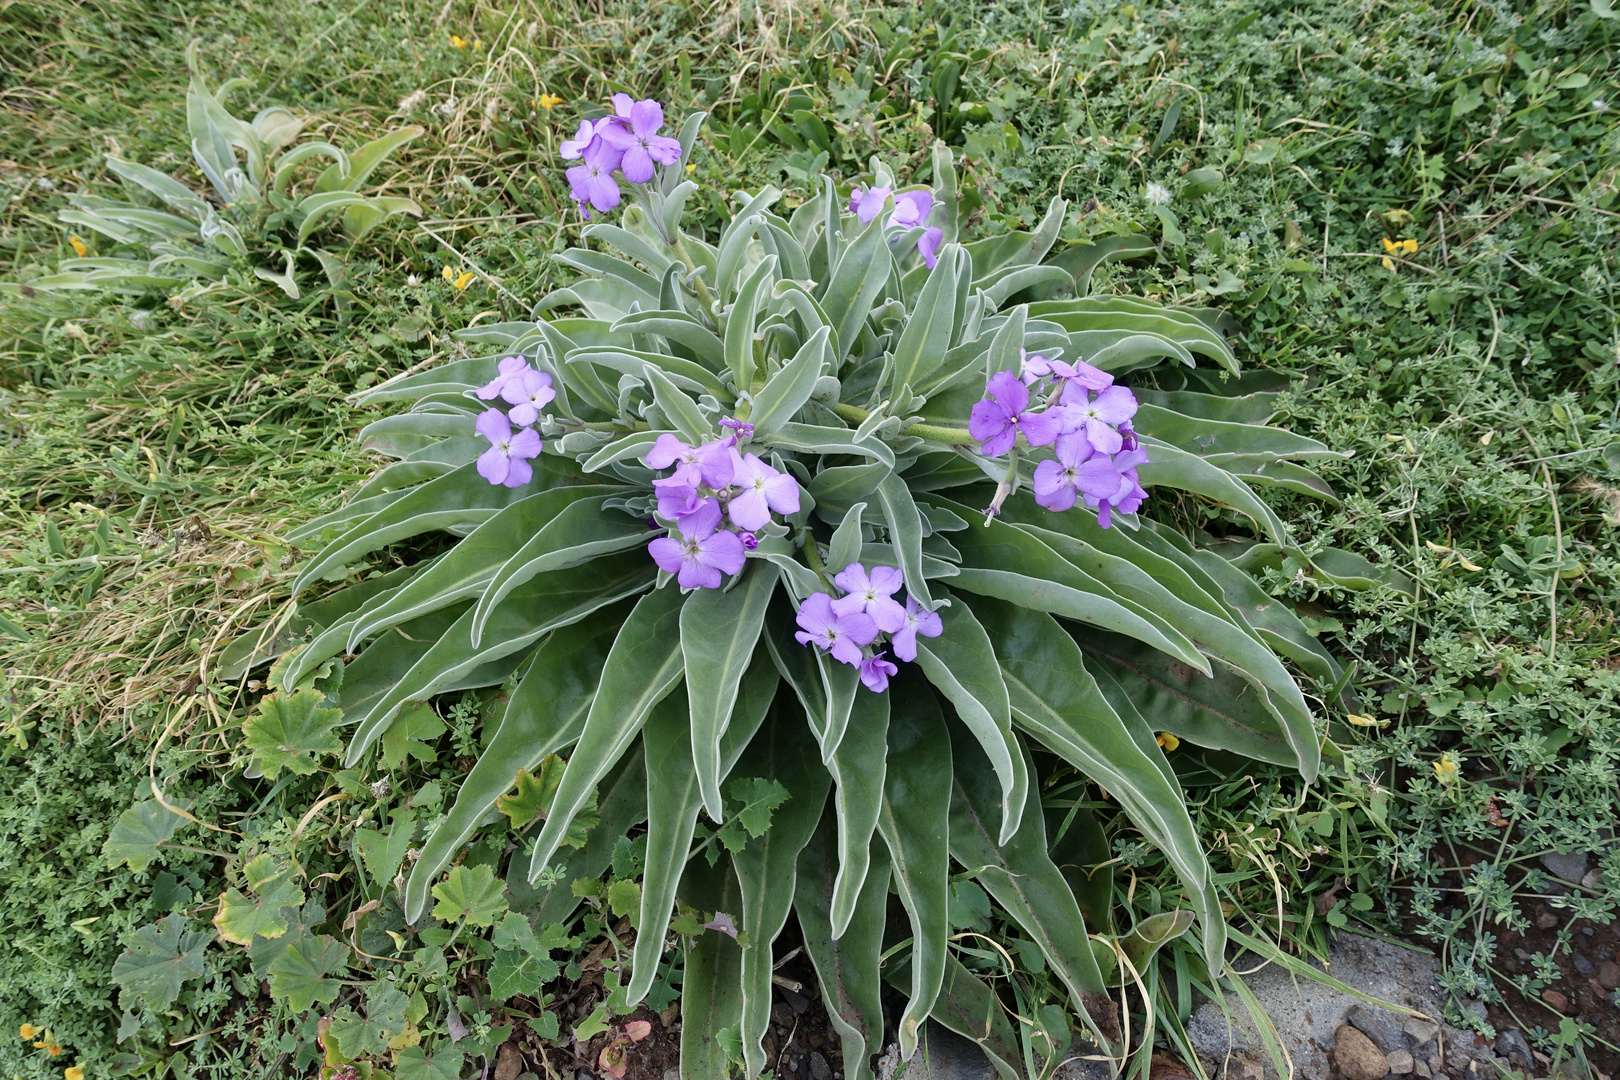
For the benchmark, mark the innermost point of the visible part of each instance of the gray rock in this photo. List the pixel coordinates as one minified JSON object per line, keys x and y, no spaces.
{"x":1400,"y":1062}
{"x":1571,"y":867}
{"x":1379,"y":1025}
{"x":1420,"y":1037}
{"x":1593,"y":879}
{"x":1420,"y":1068}
{"x":1215,"y":1036}
{"x":1511,"y":1044}
{"x":1585,"y":967}
{"x":819,"y":1069}
{"x":945,"y":1055}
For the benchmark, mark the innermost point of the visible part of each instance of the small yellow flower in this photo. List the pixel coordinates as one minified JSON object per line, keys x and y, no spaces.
{"x":1446,"y":769}
{"x":1168,"y":741}
{"x":691,"y":167}
{"x":1388,"y":264}
{"x":1409,"y":246}
{"x":478,"y":43}
{"x":458,"y":41}
{"x":78,"y":247}
{"x":28,"y":1031}
{"x":1365,"y":721}
{"x":1390,"y":245}
{"x":73,"y":1072}
{"x":53,"y":1050}
{"x":463,"y":279}
{"x":39,"y":1045}
{"x":550,"y":101}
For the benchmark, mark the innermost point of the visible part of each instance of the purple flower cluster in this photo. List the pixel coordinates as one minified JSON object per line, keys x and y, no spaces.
{"x":1086,"y":420}
{"x":527,"y":391}
{"x":911,"y":208}
{"x":627,"y":141}
{"x":711,"y":483}
{"x":849,"y":627}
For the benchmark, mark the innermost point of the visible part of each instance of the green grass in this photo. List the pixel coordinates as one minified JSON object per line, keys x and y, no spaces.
{"x":1476,"y":384}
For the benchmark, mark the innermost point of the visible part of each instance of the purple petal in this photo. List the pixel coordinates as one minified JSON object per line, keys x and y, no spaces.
{"x":493,"y":425}
{"x":852,"y":578}
{"x":871,"y":203}
{"x":1008,"y":391}
{"x":665,"y":452}
{"x":749,"y":510}
{"x":1053,"y":489}
{"x":928,"y":245}
{"x":664,"y":150}
{"x":904,"y":643}
{"x":723,"y":551}
{"x":518,"y":472}
{"x":637,"y":164}
{"x":646,"y":117}
{"x":700,"y":522}
{"x":1115,"y":405}
{"x":622,"y":104}
{"x":1103,"y":438}
{"x":887,"y":580}
{"x":493,"y":465}
{"x":1041,"y":429}
{"x":858,"y":627}
{"x":526,"y":444}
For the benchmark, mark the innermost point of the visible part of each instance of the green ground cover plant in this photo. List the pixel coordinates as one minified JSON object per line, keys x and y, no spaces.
{"x":1270,"y":152}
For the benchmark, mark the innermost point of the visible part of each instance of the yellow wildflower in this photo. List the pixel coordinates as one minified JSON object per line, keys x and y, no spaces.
{"x":1168,"y":741}
{"x":463,"y":279}
{"x":53,"y":1050}
{"x":458,"y":41}
{"x":1365,"y":721}
{"x":73,"y":1072}
{"x":1409,"y":246}
{"x":550,"y":101}
{"x":39,"y":1045}
{"x":28,"y":1031}
{"x":1390,"y":245}
{"x":478,"y":43}
{"x":691,"y":167}
{"x":1446,"y":769}
{"x":448,"y":274}
{"x":78,"y":247}
{"x":1388,"y":264}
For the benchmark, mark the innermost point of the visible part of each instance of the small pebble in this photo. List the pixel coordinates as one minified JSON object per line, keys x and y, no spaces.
{"x":1585,"y":967}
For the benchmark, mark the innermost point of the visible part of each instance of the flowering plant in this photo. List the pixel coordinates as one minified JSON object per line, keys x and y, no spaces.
{"x":722,"y":473}
{"x":254,"y":218}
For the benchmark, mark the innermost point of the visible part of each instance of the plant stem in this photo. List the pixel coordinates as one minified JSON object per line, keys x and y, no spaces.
{"x":932,"y":432}
{"x":679,"y":244}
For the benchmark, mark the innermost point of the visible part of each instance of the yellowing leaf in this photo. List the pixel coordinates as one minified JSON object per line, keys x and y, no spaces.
{"x":1366,"y":721}
{"x":535,"y":795}
{"x":290,"y":731}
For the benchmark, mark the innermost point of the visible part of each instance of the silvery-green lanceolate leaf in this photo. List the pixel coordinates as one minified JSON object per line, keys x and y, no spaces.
{"x":544,"y":715}
{"x":740,"y":326}
{"x":682,"y":329}
{"x":862,"y":271}
{"x":814,"y":439}
{"x":914,"y":823}
{"x":847,"y":962}
{"x":549,"y":601}
{"x":1055,"y":699}
{"x":905,"y":526}
{"x":467,"y":568}
{"x":672,"y":787}
{"x":643,"y":666}
{"x":927,"y":336}
{"x":846,"y":540}
{"x":680,"y":409}
{"x":578,"y":533}
{"x":961,"y":663}
{"x":1019,"y":873}
{"x":687,"y":375}
{"x":786,"y":392}
{"x":621,"y":805}
{"x":711,"y":990}
{"x":719,"y":629}
{"x":766,"y":867}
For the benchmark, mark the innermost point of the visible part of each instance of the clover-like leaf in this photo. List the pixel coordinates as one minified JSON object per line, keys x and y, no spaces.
{"x":416,"y":1064}
{"x":140,"y":831}
{"x":158,"y":960}
{"x":408,"y":737}
{"x":291,"y":731}
{"x":385,"y":1018}
{"x":759,"y":798}
{"x":306,"y":972}
{"x":470,"y":893}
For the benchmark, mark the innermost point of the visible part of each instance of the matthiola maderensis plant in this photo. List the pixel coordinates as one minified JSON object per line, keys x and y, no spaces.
{"x":717,"y":488}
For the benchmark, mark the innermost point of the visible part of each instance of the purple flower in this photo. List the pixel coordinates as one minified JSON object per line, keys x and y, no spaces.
{"x":928,"y":245}
{"x":1057,"y":482}
{"x":528,"y":392}
{"x":713,"y":459}
{"x":1127,"y":435}
{"x":678,"y":492}
{"x":636,"y":138}
{"x":996,"y":421}
{"x":841,"y":635}
{"x":1111,"y":483}
{"x":910,"y":208}
{"x":1074,"y":379}
{"x":873,"y":594}
{"x":506,"y":460}
{"x":763,"y":490}
{"x":917,"y":620}
{"x":571,"y":149}
{"x":875,"y":672}
{"x":750,"y":542}
{"x":868,"y":204}
{"x":1099,"y":416}
{"x":743,"y":428}
{"x":592,"y":181}
{"x":704,"y":553}
{"x":510,"y":368}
